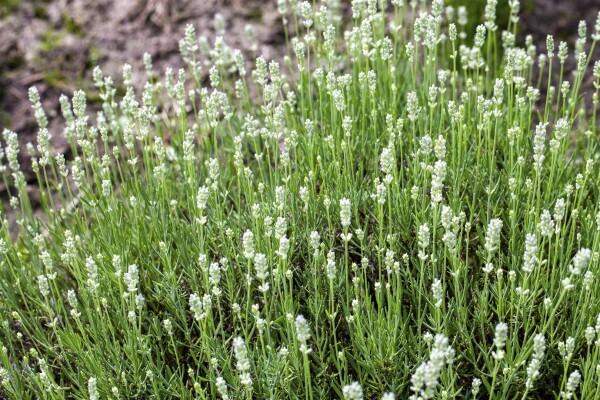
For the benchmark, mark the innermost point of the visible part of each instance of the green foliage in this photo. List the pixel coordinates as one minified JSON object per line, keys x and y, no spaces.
{"x":8,"y":6}
{"x":387,"y":214}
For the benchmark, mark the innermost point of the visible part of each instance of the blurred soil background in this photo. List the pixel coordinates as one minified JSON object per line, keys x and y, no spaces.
{"x":55,"y":44}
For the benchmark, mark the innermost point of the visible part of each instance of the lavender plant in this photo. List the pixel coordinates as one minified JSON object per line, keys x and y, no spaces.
{"x":396,"y":211}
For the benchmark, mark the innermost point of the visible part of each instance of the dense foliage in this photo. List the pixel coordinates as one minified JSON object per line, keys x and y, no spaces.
{"x":399,"y":210}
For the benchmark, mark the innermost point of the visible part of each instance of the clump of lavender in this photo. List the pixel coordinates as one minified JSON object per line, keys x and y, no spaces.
{"x":255,"y":228}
